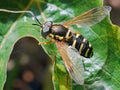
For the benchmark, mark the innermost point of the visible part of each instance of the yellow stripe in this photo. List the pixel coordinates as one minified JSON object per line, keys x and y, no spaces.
{"x":74,"y":43}
{"x":89,"y":45}
{"x":58,"y":37}
{"x":51,"y":35}
{"x":84,"y":40}
{"x":77,"y":35}
{"x":81,"y":46}
{"x":87,"y":52}
{"x":67,"y":35}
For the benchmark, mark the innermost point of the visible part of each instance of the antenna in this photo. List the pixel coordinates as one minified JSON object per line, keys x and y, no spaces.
{"x":30,"y":12}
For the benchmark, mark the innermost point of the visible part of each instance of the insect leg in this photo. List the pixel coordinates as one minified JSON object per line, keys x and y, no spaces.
{"x":48,"y":42}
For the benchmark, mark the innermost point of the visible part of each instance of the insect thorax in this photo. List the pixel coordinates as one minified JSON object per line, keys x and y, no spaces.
{"x":59,"y":32}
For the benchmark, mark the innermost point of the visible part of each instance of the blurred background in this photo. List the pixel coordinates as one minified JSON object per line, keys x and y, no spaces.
{"x":28,"y":66}
{"x":29,"y":63}
{"x":115,"y":13}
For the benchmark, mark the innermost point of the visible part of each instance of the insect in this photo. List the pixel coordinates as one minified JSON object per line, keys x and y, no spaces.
{"x":73,"y":46}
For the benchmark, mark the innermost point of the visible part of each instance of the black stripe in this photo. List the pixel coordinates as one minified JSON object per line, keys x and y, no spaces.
{"x":71,"y":40}
{"x":85,"y":47}
{"x":90,"y":53}
{"x":70,"y":34}
{"x":79,"y":42}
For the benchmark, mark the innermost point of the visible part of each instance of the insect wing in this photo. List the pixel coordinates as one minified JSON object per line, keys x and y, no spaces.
{"x":73,"y":62}
{"x":90,"y":17}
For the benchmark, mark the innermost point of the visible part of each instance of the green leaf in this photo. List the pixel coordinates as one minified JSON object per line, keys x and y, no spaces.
{"x":102,"y":68}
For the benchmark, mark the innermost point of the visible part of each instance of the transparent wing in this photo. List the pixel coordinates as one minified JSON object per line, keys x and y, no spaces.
{"x":72,"y":61}
{"x":90,"y":17}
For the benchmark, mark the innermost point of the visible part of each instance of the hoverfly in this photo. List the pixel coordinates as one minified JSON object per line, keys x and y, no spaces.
{"x":72,"y":46}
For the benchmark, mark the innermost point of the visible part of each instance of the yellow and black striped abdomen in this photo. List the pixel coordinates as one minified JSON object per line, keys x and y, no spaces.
{"x":81,"y":44}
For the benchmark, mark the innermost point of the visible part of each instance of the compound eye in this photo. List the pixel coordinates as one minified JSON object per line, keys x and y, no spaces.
{"x":49,"y":23}
{"x":44,"y":34}
{"x":46,"y":26}
{"x":46,"y":29}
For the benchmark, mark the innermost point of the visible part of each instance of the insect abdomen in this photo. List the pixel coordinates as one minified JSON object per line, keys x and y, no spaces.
{"x":81,"y":44}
